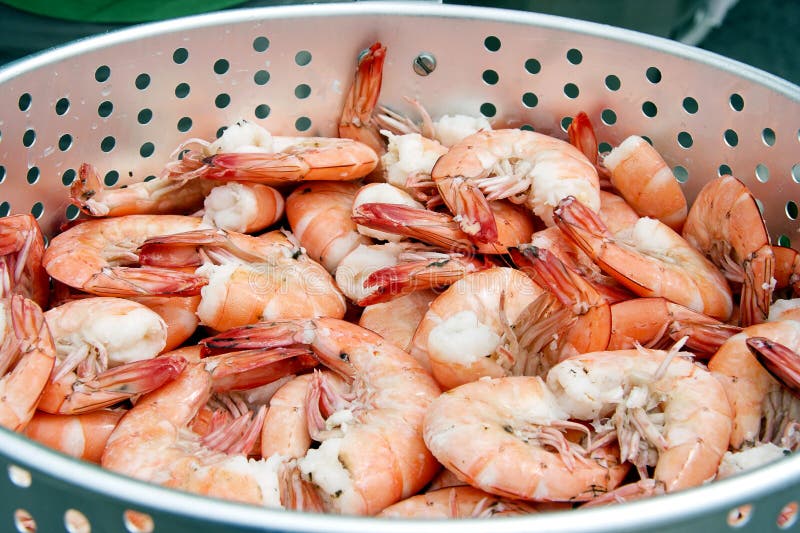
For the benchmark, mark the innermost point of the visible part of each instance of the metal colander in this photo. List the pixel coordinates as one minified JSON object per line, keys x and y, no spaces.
{"x":123,"y":101}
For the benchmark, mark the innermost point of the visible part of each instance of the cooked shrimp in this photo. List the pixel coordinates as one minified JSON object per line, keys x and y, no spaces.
{"x":243,"y":207}
{"x":249,"y":278}
{"x":152,"y":442}
{"x":387,"y":194}
{"x":461,"y":502}
{"x":506,"y":436}
{"x":82,"y":436}
{"x":581,"y":136}
{"x":398,"y":319}
{"x":649,"y":259}
{"x":380,"y":272}
{"x":21,"y":251}
{"x":248,"y":152}
{"x":726,"y":225}
{"x":514,"y":226}
{"x":160,"y":196}
{"x":485,"y":325}
{"x":643,"y":178}
{"x":105,"y":354}
{"x":659,"y":323}
{"x":179,"y":314}
{"x":763,"y":409}
{"x":665,"y":410}
{"x":371,"y":453}
{"x":525,"y":166}
{"x":96,"y":256}
{"x":319,"y":215}
{"x":27,"y":356}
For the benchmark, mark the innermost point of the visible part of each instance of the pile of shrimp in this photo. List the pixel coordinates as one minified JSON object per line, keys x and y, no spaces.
{"x":435,"y":319}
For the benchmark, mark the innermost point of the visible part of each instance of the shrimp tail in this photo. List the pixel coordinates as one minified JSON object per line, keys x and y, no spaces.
{"x":704,"y":339}
{"x":261,"y":335}
{"x":780,"y":361}
{"x":357,"y":122}
{"x":581,"y":136}
{"x":297,"y":493}
{"x":110,"y":387}
{"x":410,"y":276}
{"x":256,"y":367}
{"x":438,"y":229}
{"x":180,"y":249}
{"x":473,"y":212}
{"x":86,"y":187}
{"x":126,"y":281}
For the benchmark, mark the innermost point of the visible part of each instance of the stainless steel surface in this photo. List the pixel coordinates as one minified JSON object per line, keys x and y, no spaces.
{"x":123,"y":101}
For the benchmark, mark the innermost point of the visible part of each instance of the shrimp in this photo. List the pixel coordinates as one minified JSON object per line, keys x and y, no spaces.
{"x":21,"y":252}
{"x":248,"y":152}
{"x":726,"y":225}
{"x":462,"y":502}
{"x":665,"y":410}
{"x":249,"y":278}
{"x":645,"y":181}
{"x":659,"y":323}
{"x":398,"y":319}
{"x":371,"y":453}
{"x":95,"y":257}
{"x":506,"y":436}
{"x":514,"y":226}
{"x":153,"y":442}
{"x":81,"y":436}
{"x":242,"y":207}
{"x":482,"y":325}
{"x":27,"y":356}
{"x":649,"y":259}
{"x":525,"y":166}
{"x":763,"y":409}
{"x":151,"y":197}
{"x":380,"y":272}
{"x":357,"y":121}
{"x":105,"y":350}
{"x":319,"y":215}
